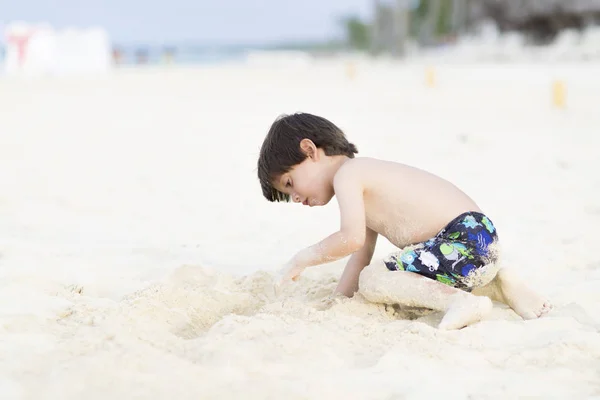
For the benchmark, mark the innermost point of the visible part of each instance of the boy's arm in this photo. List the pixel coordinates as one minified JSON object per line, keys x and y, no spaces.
{"x":348,"y":284}
{"x":351,"y":236}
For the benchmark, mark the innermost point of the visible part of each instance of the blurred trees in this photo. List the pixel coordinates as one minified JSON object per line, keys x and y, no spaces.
{"x":431,"y":22}
{"x":358,"y":33}
{"x":395,"y":22}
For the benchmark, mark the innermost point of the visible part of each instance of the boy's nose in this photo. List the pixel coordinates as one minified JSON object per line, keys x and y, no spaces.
{"x":296,"y":198}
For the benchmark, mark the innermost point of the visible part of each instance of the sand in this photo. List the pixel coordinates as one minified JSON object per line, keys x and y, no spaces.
{"x":137,"y":255}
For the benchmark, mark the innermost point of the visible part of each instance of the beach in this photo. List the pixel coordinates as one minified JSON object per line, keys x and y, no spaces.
{"x":138,"y":257}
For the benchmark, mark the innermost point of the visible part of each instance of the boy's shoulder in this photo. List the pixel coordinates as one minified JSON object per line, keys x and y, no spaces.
{"x":351,"y":166}
{"x":357,"y":168}
{"x":360,"y":163}
{"x":366,"y":169}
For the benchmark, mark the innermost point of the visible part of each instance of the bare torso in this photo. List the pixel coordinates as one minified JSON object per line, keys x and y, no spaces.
{"x":405,"y":204}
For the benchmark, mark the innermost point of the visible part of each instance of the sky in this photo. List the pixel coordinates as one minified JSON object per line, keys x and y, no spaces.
{"x":198,"y":21}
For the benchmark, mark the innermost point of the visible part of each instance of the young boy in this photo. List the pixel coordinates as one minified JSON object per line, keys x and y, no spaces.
{"x":449,"y":247}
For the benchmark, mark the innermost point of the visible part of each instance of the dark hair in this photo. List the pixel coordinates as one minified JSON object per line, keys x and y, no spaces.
{"x":281,"y":151}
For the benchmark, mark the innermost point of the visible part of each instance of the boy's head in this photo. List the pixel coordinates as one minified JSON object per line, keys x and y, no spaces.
{"x":294,"y":155}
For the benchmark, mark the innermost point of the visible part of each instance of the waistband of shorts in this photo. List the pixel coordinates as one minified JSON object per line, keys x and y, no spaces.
{"x":476,"y":214}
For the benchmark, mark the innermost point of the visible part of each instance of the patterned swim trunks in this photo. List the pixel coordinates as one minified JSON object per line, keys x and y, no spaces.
{"x":455,"y":255}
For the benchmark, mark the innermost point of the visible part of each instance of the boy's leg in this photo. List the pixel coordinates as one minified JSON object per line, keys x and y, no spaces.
{"x":377,"y":284}
{"x":509,"y":289}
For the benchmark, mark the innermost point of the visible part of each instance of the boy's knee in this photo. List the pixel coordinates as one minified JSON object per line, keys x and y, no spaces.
{"x":369,"y":274}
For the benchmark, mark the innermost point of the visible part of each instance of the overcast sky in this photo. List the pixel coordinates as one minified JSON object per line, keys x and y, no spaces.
{"x":220,"y":22}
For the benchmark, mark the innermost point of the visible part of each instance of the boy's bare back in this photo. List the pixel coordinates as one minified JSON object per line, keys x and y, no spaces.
{"x":405,"y":204}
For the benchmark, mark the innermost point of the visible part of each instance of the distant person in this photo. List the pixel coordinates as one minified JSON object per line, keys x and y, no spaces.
{"x":117,"y":56}
{"x":448,"y":246}
{"x":142,"y":56}
{"x":168,"y":55}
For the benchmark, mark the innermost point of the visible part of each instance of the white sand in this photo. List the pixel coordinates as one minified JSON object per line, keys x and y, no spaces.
{"x":136,"y":250}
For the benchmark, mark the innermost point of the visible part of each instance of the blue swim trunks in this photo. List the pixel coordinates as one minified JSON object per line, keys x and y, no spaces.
{"x":455,"y":255}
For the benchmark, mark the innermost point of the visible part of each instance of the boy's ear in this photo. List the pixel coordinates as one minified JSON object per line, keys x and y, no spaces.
{"x":309,"y":148}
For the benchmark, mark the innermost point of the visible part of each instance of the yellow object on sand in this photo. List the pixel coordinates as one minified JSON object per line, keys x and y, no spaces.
{"x":559,"y":94}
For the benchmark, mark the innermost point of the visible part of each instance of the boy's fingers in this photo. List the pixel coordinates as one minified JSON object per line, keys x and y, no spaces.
{"x":285,"y":280}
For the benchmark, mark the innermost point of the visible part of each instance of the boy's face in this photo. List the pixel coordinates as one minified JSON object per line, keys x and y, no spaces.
{"x":307,"y":183}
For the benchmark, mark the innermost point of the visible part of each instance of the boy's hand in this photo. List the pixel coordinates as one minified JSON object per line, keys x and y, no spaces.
{"x":291,"y":271}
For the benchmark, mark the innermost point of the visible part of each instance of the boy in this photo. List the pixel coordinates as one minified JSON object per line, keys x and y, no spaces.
{"x":449,"y":247}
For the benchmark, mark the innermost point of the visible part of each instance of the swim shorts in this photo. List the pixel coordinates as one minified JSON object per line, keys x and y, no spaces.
{"x":455,"y":256}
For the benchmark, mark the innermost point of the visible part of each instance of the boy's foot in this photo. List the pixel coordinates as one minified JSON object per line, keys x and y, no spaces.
{"x":466,"y":310}
{"x":522,"y":299}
